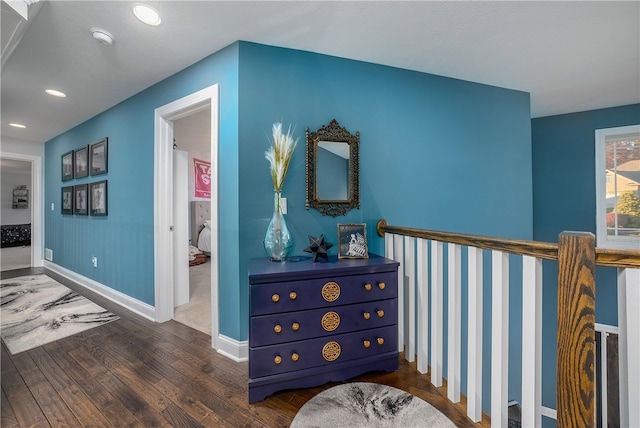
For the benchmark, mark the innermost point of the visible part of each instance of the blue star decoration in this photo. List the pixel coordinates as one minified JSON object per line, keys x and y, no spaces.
{"x":318,"y":248}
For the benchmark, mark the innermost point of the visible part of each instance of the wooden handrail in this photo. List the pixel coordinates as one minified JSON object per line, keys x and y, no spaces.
{"x":543,"y":250}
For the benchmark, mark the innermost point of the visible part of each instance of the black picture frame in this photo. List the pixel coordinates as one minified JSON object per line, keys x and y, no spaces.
{"x":81,"y":162}
{"x":98,"y":157}
{"x":352,"y":241}
{"x":67,"y":200}
{"x":67,"y":166}
{"x":99,"y":199}
{"x":80,"y":199}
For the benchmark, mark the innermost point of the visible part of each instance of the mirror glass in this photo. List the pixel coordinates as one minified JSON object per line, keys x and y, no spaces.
{"x":333,"y":185}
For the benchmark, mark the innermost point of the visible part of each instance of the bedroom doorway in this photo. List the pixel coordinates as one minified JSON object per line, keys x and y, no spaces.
{"x":165,"y":262}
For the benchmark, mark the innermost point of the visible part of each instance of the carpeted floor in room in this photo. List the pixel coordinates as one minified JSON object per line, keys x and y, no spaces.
{"x":12,"y":258}
{"x":197,"y":313}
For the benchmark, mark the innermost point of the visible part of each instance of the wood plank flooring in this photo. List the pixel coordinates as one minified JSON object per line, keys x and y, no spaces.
{"x":137,"y":373}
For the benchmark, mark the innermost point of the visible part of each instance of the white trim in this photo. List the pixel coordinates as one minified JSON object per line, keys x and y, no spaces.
{"x":163,"y":201}
{"x":143,"y":309}
{"x":602,"y":239}
{"x":37,"y":204}
{"x":605,"y":328}
{"x":549,"y":412}
{"x":231,"y":348}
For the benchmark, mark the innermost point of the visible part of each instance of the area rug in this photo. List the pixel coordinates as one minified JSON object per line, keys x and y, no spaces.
{"x":363,"y":404}
{"x":35,"y":310}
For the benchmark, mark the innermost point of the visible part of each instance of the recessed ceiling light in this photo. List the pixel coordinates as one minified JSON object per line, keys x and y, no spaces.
{"x":102,"y":36}
{"x":55,"y":93}
{"x":17,"y":125}
{"x":147,"y":14}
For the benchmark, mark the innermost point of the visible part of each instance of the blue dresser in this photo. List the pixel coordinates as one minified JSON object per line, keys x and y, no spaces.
{"x":312,"y":323}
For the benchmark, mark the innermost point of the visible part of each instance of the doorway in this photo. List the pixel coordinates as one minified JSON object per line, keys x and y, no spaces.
{"x":164,"y":248}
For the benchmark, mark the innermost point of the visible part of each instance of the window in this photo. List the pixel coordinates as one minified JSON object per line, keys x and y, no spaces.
{"x":618,"y":187}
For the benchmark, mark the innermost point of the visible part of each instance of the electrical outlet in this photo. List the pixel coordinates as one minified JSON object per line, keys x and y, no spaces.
{"x":94,"y":261}
{"x":52,"y":207}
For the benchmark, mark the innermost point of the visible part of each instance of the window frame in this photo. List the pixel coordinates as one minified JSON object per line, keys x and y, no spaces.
{"x":601,"y":137}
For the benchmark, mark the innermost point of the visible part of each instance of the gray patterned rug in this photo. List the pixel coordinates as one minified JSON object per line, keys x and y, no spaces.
{"x":362,"y":404}
{"x":35,"y":310}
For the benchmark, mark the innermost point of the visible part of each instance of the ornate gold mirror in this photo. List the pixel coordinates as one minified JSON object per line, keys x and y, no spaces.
{"x":333,"y":172}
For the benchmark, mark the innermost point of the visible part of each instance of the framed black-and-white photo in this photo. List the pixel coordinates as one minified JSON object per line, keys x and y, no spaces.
{"x":81,"y":162}
{"x":20,"y":198}
{"x":352,"y":241}
{"x":81,"y":199}
{"x":98,"y":157}
{"x":98,"y":194}
{"x":67,"y":166}
{"x":67,"y":200}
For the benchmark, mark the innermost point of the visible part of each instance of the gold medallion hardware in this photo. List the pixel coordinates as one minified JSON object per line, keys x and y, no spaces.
{"x":277,"y":328}
{"x":381,"y":285}
{"x":293,"y":295}
{"x":331,"y":291}
{"x":331,"y":351}
{"x":380,"y":313}
{"x":277,"y":359}
{"x":380,"y":341}
{"x":294,"y":357}
{"x":366,"y":315}
{"x":295,"y":326}
{"x":367,"y":343}
{"x":367,"y":287}
{"x":275,"y":298}
{"x":330,"y":321}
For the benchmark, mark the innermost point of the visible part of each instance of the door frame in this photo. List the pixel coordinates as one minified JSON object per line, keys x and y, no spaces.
{"x":36,"y":204}
{"x":163,"y":201}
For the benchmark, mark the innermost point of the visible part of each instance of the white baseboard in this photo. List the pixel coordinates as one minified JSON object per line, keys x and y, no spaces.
{"x":234,"y":349}
{"x":115,"y":296}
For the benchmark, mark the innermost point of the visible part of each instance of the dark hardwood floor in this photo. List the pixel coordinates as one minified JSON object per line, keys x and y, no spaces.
{"x":134,"y":372}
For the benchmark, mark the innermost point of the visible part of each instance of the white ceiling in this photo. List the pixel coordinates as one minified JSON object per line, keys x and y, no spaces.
{"x":571,"y":56}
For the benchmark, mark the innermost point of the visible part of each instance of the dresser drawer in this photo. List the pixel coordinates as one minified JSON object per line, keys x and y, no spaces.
{"x":288,"y":296}
{"x":292,"y":356}
{"x":290,"y":326}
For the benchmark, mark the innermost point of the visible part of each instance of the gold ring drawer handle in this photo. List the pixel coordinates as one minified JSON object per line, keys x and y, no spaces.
{"x":277,"y":328}
{"x":293,"y":295}
{"x":295,"y":326}
{"x":277,"y":359}
{"x":367,"y":344}
{"x":380,"y":313}
{"x":381,"y":285}
{"x":380,"y":341}
{"x":367,"y":287}
{"x":295,"y":357}
{"x":366,"y":315}
{"x":275,"y":298}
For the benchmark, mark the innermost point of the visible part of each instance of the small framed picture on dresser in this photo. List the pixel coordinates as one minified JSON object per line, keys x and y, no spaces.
{"x":352,"y":241}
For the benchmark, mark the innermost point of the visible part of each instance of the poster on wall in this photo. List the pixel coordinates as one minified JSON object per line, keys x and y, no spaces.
{"x":202,"y":175}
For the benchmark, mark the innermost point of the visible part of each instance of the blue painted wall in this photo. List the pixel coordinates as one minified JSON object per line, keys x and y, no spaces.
{"x":564,"y":198}
{"x":436,"y":153}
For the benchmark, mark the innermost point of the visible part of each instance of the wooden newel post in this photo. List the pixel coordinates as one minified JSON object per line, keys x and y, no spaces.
{"x":576,"y":330}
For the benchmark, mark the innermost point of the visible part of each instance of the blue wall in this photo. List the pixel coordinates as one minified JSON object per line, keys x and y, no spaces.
{"x":564,"y":198}
{"x":435,"y":153}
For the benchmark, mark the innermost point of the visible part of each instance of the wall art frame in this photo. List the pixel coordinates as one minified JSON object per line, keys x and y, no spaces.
{"x":352,"y":241}
{"x":98,"y":157}
{"x":80,"y":199}
{"x":99,"y":199}
{"x":66,"y":202}
{"x":67,"y":166}
{"x":81,"y":162}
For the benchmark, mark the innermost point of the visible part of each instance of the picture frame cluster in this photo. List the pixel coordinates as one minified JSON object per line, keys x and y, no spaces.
{"x":85,"y":198}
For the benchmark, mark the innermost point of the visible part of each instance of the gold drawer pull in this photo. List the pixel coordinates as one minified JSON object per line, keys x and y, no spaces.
{"x":293,"y":295}
{"x":367,"y":287}
{"x":367,"y":344}
{"x":295,"y":326}
{"x":277,"y":359}
{"x":277,"y":328}
{"x":330,"y":291}
{"x":381,"y":285}
{"x":380,"y":341}
{"x":380,"y":313}
{"x":366,"y":315}
{"x":275,"y":298}
{"x":294,"y":357}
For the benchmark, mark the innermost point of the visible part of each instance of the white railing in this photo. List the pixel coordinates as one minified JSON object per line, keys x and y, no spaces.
{"x":422,"y":335}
